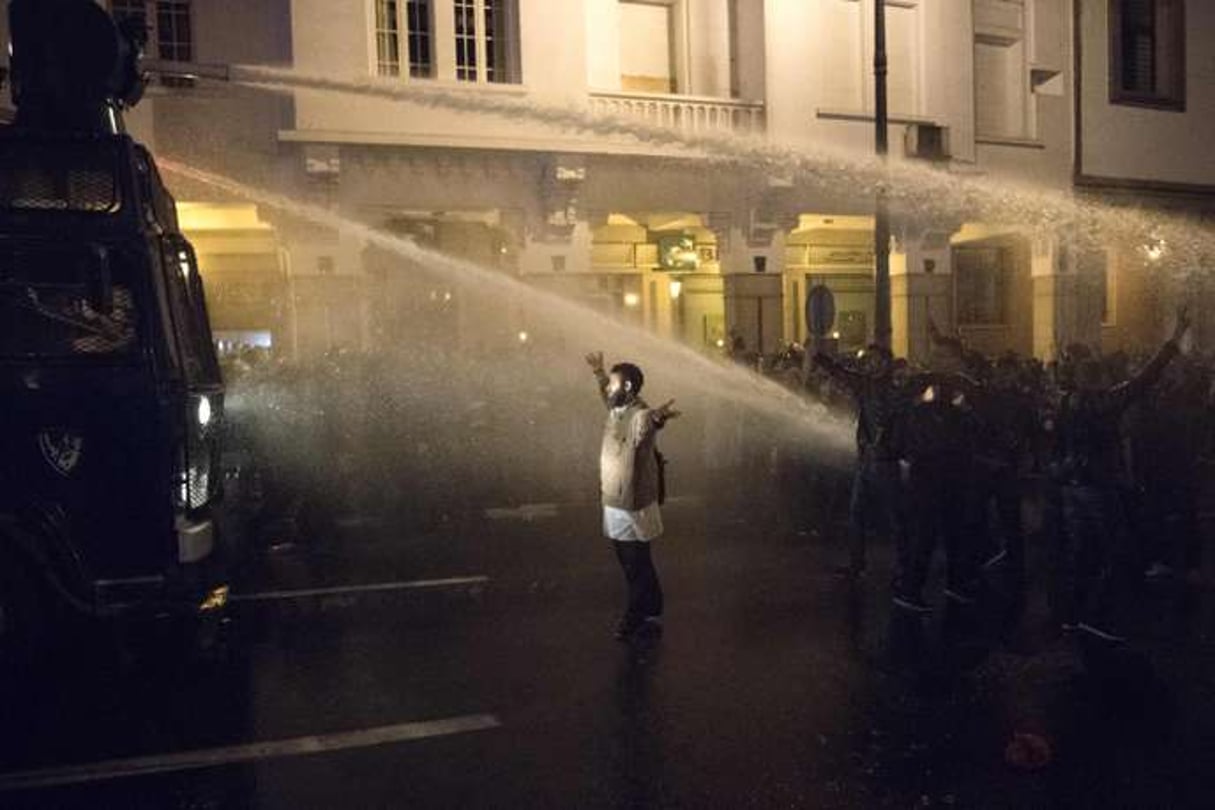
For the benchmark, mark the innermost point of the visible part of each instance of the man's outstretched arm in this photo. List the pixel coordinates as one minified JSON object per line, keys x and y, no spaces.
{"x":595,"y":361}
{"x":650,"y":421}
{"x":838,"y":371}
{"x":1122,"y":395}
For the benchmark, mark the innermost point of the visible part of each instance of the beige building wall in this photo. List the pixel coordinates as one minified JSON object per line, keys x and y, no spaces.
{"x":998,"y":76}
{"x":1153,"y":145}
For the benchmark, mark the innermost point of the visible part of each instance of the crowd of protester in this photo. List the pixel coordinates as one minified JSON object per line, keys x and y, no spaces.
{"x":1101,"y":458}
{"x":1106,"y":454}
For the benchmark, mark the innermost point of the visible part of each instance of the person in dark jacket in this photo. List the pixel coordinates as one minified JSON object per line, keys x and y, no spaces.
{"x":630,"y":485}
{"x":1171,"y":441}
{"x":936,"y":442}
{"x":1089,"y":472}
{"x":881,"y":398}
{"x":1008,"y":416}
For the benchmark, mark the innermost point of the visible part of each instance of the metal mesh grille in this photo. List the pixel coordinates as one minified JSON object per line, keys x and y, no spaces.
{"x":200,"y":484}
{"x":57,"y":178}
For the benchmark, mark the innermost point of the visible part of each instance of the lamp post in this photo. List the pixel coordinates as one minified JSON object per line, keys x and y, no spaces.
{"x":881,"y":229}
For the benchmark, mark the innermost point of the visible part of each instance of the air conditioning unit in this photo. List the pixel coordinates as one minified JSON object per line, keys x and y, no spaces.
{"x":926,"y":142}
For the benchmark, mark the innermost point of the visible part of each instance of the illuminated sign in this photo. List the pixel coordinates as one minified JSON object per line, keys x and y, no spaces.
{"x":677,"y":252}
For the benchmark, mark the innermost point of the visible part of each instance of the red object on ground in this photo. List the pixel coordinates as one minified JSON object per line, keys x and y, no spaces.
{"x":1028,"y":751}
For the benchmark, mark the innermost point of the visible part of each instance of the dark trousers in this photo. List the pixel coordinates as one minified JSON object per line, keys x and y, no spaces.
{"x":877,"y":503}
{"x":1171,"y":522}
{"x":1001,"y":488}
{"x":940,"y":502}
{"x":645,"y":592}
{"x":1097,"y":560}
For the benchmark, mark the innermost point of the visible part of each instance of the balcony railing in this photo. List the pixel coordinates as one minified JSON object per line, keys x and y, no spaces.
{"x":687,"y":113}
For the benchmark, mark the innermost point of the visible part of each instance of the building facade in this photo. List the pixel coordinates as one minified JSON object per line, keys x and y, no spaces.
{"x":1024,"y":90}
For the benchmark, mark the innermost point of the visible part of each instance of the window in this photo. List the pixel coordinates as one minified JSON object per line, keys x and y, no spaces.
{"x":981,"y":278}
{"x":1147,"y":53}
{"x":1001,"y":90}
{"x":1003,"y":43}
{"x":387,"y":38}
{"x":169,"y":29}
{"x":174,"y":37}
{"x":416,"y":26}
{"x":902,"y":54}
{"x":846,"y":56}
{"x":134,"y":11}
{"x":486,"y":36}
{"x":418,"y":18}
{"x":497,"y":43}
{"x":466,"y":40}
{"x":647,"y":47}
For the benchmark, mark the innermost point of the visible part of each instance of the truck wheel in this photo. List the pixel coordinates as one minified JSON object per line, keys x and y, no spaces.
{"x":21,"y":617}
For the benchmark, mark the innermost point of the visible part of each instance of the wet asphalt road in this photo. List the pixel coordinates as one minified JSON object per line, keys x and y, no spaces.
{"x":771,"y":687}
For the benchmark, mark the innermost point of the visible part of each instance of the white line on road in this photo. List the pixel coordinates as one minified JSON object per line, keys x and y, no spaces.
{"x":251,"y":752}
{"x":348,"y":590}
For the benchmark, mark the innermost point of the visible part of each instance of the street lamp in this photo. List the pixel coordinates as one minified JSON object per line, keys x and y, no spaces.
{"x":881,"y":224}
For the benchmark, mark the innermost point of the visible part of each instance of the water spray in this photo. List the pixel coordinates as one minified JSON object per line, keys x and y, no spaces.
{"x":915,"y":191}
{"x":801,"y":419}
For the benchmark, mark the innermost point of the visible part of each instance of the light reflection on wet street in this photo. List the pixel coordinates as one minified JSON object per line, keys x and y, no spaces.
{"x":772,"y":686}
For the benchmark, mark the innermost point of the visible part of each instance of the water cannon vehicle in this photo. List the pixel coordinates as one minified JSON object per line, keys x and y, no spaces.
{"x":111,"y":398}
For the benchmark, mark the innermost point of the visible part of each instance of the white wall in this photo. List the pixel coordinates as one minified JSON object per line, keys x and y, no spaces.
{"x":1042,"y":112}
{"x":340,"y":45}
{"x":1120,"y":142}
{"x":751,"y":49}
{"x":602,"y":44}
{"x":709,"y":47}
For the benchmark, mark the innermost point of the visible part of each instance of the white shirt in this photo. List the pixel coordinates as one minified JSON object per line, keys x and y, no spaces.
{"x":641,"y":526}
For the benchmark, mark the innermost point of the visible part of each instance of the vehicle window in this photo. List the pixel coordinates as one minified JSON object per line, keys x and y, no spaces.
{"x":66,"y":301}
{"x":189,"y":312}
{"x":59,"y":177}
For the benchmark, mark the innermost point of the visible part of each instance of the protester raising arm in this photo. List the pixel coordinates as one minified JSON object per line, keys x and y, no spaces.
{"x":844,"y":375}
{"x":595,"y":361}
{"x":1121,"y":396}
{"x":651,"y":420}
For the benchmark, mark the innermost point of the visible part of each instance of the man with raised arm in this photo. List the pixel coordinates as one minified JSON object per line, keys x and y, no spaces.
{"x":1098,"y":555}
{"x":881,"y":400}
{"x":630,"y":477}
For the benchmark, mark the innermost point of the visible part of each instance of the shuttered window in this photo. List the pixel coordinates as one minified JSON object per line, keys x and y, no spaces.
{"x":1147,"y":53}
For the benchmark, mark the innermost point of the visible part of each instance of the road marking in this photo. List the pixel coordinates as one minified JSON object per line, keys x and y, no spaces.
{"x":527,"y":512}
{"x":251,"y":752}
{"x":348,"y":590}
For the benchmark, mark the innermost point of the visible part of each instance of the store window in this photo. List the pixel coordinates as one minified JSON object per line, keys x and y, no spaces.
{"x":981,"y":278}
{"x":1147,"y":53}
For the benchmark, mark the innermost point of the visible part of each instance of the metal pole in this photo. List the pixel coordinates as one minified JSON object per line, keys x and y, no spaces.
{"x":881,"y":229}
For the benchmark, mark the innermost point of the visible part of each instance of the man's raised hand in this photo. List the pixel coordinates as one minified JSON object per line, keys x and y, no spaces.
{"x":595,"y":361}
{"x":667,"y":411}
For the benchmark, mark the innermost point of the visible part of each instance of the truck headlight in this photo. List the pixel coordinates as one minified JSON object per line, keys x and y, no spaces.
{"x":204,"y":411}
